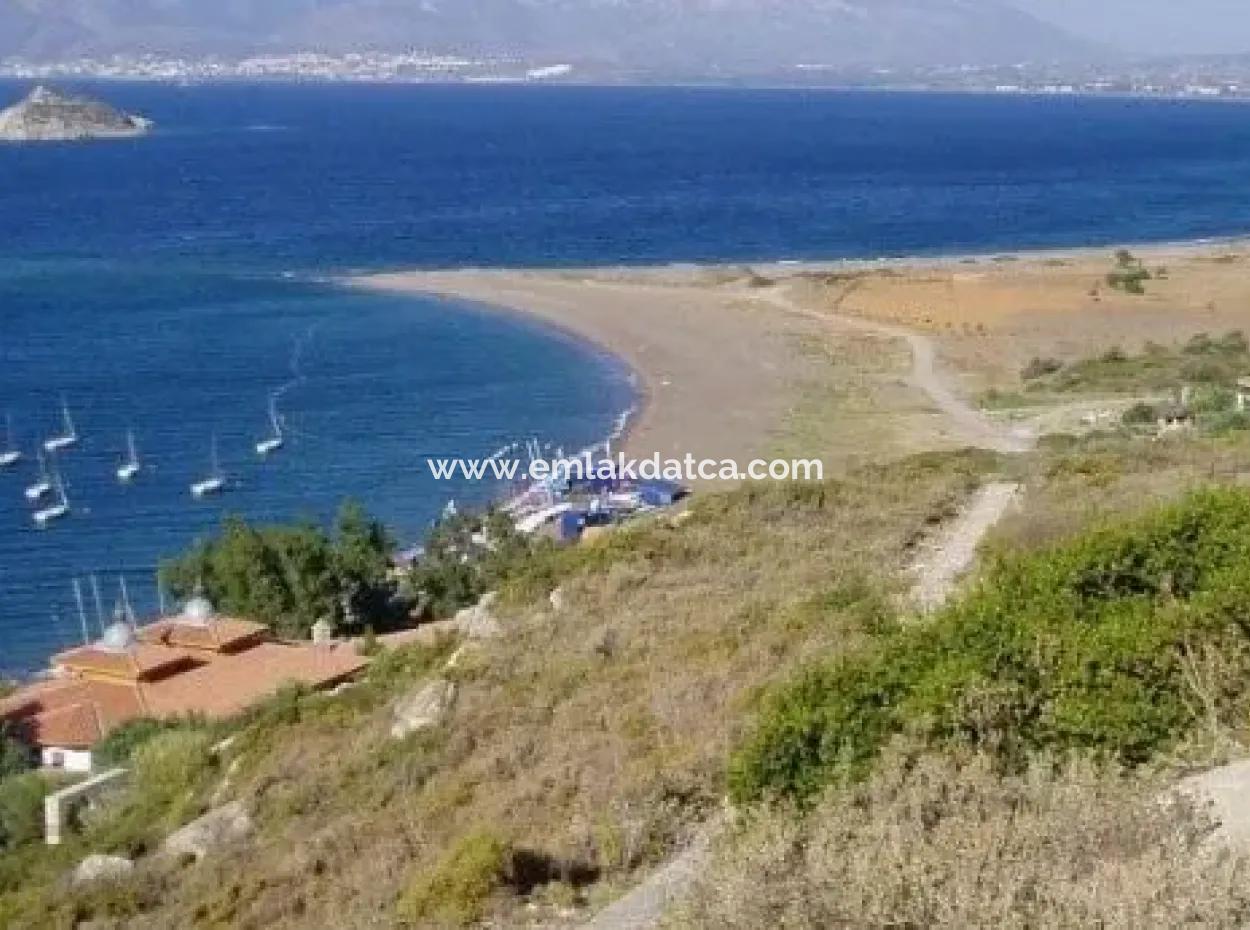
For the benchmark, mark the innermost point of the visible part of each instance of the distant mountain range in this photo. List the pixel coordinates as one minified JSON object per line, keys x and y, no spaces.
{"x":683,"y":36}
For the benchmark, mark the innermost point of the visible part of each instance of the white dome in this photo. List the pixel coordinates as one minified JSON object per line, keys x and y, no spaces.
{"x":119,"y":637}
{"x":198,"y":610}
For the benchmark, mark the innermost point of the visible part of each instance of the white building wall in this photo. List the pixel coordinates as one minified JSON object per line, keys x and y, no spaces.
{"x":67,"y":760}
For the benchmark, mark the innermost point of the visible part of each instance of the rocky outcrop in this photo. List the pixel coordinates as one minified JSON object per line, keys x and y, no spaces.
{"x":47,"y":116}
{"x":221,"y":827}
{"x":423,"y":709}
{"x":478,"y":621}
{"x":99,"y":868}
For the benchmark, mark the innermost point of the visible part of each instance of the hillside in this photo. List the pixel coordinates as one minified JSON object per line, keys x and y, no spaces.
{"x":679,"y":36}
{"x":754,"y":671}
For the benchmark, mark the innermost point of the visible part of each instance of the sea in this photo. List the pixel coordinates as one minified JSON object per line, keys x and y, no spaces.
{"x":181,"y":285}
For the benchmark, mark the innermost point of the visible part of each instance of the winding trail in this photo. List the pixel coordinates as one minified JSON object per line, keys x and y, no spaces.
{"x":969,"y":423}
{"x":646,"y":905}
{"x":938,"y":571}
{"x":937,"y":575}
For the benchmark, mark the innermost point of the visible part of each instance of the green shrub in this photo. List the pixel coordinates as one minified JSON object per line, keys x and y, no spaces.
{"x":170,"y":773}
{"x":457,"y":891}
{"x":21,"y":809}
{"x":121,"y":744}
{"x":15,"y":756}
{"x":1230,"y":421}
{"x":1085,"y":646}
{"x":1140,"y":414}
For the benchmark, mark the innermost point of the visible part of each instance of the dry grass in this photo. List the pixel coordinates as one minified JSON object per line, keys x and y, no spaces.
{"x":589,"y":741}
{"x":935,"y":843}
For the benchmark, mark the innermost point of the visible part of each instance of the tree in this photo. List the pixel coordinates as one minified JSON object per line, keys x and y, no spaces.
{"x":361,"y":561}
{"x":15,"y":756}
{"x":465,"y":556}
{"x":291,"y":576}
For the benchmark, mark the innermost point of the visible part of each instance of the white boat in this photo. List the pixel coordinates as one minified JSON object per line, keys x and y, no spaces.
{"x":215,"y":483}
{"x":67,"y":438}
{"x":275,"y":441}
{"x":11,"y":454}
{"x":43,"y":486}
{"x":129,"y":468}
{"x":54,"y":511}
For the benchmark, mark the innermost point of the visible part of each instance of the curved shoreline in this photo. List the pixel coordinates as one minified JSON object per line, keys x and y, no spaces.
{"x":713,"y":369}
{"x":716,"y":380}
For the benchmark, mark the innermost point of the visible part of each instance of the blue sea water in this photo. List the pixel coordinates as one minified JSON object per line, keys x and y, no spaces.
{"x":172,"y":284}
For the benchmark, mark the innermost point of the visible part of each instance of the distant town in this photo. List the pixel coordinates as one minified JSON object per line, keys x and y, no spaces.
{"x":1208,"y":77}
{"x":314,"y":66}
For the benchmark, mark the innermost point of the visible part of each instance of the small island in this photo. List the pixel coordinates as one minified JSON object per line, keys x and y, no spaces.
{"x":48,"y":116}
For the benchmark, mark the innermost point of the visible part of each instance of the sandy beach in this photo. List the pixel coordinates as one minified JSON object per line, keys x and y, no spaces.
{"x":721,"y":374}
{"x":816,"y":359}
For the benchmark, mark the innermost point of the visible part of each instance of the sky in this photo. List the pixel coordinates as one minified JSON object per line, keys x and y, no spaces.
{"x":1153,"y":27}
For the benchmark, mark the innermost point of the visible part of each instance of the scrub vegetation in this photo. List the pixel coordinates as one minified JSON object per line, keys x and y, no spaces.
{"x":960,"y":770}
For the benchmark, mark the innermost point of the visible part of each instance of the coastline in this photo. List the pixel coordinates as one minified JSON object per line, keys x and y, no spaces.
{"x":722,"y":373}
{"x":715,"y":373}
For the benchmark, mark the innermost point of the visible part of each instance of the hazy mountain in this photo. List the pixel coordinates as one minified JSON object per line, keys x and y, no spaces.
{"x":690,"y":35}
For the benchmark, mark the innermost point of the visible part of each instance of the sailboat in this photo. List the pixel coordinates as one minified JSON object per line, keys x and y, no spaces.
{"x":129,"y":468}
{"x":215,"y":483}
{"x":11,"y":454}
{"x":274,"y":442}
{"x":68,"y":437}
{"x":43,"y":486}
{"x":54,"y":511}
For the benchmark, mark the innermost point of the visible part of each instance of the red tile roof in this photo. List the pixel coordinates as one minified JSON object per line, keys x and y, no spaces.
{"x":233,"y":683}
{"x":221,"y":634}
{"x":76,"y":712}
{"x":143,"y":661}
{"x":72,"y":713}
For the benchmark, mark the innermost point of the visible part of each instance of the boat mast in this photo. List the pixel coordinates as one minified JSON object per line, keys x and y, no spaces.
{"x":130,"y":613}
{"x":99,"y":605}
{"x":82,"y":612}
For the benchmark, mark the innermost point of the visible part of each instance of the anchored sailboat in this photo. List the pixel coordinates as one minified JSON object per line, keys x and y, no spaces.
{"x":215,"y":483}
{"x":129,"y":468}
{"x":11,"y":454}
{"x":275,"y":441}
{"x":43,"y":485}
{"x":69,"y":436}
{"x":54,"y":511}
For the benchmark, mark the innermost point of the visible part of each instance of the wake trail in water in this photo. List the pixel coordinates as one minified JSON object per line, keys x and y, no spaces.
{"x":298,"y":377}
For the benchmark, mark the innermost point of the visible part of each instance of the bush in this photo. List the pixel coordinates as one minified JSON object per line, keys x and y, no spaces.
{"x":1087,"y":646}
{"x":15,"y":756}
{"x":1140,"y":414}
{"x":456,"y":892}
{"x":121,"y":744}
{"x":939,"y":842}
{"x":21,"y":809}
{"x":170,"y":773}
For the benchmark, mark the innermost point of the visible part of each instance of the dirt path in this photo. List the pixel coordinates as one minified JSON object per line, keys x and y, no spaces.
{"x":938,"y":571}
{"x":969,"y":423}
{"x":643,"y":908}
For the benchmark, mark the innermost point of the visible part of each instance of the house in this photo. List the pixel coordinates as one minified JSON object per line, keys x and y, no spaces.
{"x":196,"y":663}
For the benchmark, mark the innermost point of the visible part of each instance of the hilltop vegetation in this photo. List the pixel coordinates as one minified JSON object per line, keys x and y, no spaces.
{"x":890,"y":772}
{"x":1122,"y":643}
{"x":586,"y":742}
